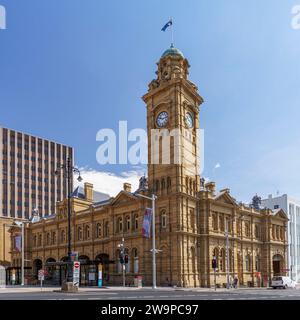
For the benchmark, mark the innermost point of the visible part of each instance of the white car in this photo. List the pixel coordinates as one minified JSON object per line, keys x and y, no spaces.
{"x":283,"y":282}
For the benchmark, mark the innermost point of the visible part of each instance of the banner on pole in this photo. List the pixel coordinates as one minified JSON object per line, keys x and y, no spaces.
{"x":147,"y":223}
{"x":18,"y":243}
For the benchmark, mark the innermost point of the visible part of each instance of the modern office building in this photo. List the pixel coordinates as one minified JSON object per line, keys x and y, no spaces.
{"x":27,"y":180}
{"x":292,"y":209}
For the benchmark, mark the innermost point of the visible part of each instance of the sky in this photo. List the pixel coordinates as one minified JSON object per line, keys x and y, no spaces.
{"x":69,"y":68}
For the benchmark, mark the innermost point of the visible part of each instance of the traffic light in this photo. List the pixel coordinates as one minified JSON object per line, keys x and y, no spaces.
{"x":121,"y":259}
{"x":214,"y":263}
{"x":126,"y":258}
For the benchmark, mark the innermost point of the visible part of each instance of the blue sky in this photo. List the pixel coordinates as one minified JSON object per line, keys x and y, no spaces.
{"x":69,"y":68}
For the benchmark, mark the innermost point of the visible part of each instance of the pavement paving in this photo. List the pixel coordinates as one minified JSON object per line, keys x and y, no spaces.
{"x":147,"y":293}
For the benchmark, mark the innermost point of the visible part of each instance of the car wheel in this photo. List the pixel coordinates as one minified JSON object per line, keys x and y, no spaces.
{"x":274,"y":287}
{"x":285,"y":287}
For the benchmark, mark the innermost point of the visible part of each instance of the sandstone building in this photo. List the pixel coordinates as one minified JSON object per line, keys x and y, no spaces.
{"x":191,"y":216}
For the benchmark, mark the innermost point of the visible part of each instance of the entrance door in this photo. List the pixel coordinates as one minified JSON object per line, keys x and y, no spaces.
{"x":277,"y":265}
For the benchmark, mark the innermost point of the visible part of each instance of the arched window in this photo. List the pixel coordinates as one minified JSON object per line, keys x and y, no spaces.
{"x":40,"y":240}
{"x":193,"y":259}
{"x":247,"y":229}
{"x":257,"y":263}
{"x":135,"y":260}
{"x":277,"y":232}
{"x":221,"y":222}
{"x":62,"y":236}
{"x":98,"y":230}
{"x":87,"y":232}
{"x":120,"y":224}
{"x":257,"y":231}
{"x":128,"y":223}
{"x":281,"y":233}
{"x":53,"y":237}
{"x":106,"y":229}
{"x":169,"y":184}
{"x":193,"y":220}
{"x":79,"y":233}
{"x":163,"y":219}
{"x":163,"y":184}
{"x":136,"y":222}
{"x":248,"y":263}
{"x":34,"y":241}
{"x":214,"y":222}
{"x":222,"y":260}
{"x":216,"y":255}
{"x":48,"y":239}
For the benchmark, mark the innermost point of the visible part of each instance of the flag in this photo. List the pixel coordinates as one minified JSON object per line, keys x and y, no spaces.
{"x":147,"y":223}
{"x":168,"y":24}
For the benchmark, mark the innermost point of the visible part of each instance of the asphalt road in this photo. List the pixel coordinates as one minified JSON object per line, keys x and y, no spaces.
{"x":239,"y":294}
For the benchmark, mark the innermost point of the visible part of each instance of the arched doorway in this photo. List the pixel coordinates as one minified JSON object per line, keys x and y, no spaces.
{"x":277,"y":264}
{"x":52,"y":272}
{"x":103,"y":259}
{"x":87,"y":271}
{"x":37,"y":265}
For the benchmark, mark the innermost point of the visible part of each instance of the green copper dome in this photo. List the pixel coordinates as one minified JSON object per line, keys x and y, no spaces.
{"x":172,"y":52}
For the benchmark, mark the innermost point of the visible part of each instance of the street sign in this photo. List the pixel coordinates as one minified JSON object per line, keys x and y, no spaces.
{"x":74,"y":256}
{"x":41,"y":275}
{"x":76,"y":273}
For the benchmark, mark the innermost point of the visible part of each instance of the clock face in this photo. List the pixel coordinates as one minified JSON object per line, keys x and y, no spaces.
{"x":189,"y":120}
{"x":162,"y":119}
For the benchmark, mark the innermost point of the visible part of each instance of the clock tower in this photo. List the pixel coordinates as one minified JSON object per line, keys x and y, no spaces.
{"x":173,"y":162}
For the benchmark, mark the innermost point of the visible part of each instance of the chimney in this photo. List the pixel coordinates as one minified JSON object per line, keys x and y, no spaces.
{"x":211,"y":187}
{"x":88,"y":191}
{"x":127,"y":187}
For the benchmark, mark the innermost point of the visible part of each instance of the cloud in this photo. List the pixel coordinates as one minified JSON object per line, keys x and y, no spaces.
{"x":217,"y":165}
{"x":109,"y":182}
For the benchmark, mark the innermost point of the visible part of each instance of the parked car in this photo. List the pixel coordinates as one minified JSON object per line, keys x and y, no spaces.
{"x":283,"y":282}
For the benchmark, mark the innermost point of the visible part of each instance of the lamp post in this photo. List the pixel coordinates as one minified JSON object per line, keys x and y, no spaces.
{"x":122,"y":259}
{"x":154,"y":251}
{"x":68,"y":171}
{"x":20,"y":224}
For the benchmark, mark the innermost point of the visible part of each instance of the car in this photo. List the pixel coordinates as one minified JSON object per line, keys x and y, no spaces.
{"x":282,"y":282}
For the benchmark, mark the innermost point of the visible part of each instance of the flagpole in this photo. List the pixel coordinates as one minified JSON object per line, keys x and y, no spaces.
{"x":172,"y":44}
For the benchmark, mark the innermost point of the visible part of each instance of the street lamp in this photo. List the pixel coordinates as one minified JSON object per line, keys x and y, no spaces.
{"x":20,"y":224}
{"x":154,"y":251}
{"x":68,"y":171}
{"x":122,"y":259}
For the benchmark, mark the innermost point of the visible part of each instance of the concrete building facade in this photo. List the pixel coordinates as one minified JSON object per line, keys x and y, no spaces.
{"x":292,"y":209}
{"x":27,"y":180}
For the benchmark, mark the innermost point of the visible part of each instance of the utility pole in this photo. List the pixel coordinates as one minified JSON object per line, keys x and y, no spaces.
{"x":153,"y":250}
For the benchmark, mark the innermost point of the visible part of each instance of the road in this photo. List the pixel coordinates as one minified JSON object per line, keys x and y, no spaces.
{"x":148,"y":294}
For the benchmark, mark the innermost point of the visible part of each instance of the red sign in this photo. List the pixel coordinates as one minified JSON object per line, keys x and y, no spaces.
{"x":76,"y":265}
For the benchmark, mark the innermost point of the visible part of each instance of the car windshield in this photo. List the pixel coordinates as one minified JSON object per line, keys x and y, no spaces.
{"x":277,"y":278}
